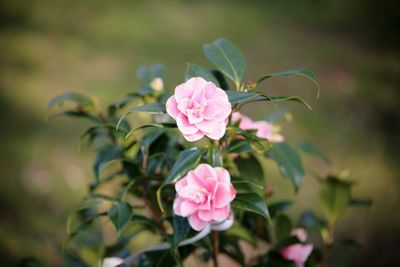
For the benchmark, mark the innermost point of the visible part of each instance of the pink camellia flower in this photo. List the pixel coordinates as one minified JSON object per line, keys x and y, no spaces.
{"x":199,"y":108}
{"x":204,"y":196}
{"x":298,"y":252}
{"x":264,"y":129}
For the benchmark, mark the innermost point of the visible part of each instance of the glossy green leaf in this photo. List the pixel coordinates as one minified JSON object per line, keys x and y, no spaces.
{"x":153,"y":108}
{"x":241,"y":97}
{"x":245,"y":186}
{"x":251,"y":202}
{"x":187,"y":160}
{"x":182,"y":230}
{"x":120,"y":214}
{"x":335,"y":197}
{"x":219,"y":76}
{"x":289,"y":162}
{"x":313,"y":150}
{"x":194,"y":70}
{"x":214,"y":156}
{"x":227,"y":58}
{"x":307,"y":73}
{"x":239,"y":146}
{"x":250,"y":169}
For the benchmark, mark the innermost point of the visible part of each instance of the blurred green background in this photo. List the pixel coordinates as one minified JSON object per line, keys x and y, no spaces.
{"x":94,"y":47}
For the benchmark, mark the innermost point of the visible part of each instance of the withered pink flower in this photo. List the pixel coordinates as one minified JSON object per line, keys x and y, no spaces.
{"x":200,"y":109}
{"x":204,"y":196}
{"x":264,"y":129}
{"x":298,"y":252}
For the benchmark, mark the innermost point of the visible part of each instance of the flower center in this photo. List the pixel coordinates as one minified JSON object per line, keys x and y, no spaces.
{"x":200,"y":195}
{"x":197,"y":110}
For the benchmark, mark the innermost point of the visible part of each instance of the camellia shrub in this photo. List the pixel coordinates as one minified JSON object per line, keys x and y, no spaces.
{"x":185,"y":184}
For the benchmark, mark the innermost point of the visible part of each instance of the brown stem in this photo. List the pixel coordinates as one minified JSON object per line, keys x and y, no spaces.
{"x":214,"y":236}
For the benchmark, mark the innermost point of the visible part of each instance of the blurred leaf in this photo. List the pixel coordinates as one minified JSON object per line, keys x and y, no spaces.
{"x":31,"y":262}
{"x":309,"y":74}
{"x":288,"y":161}
{"x":335,"y":197}
{"x":161,"y":258}
{"x":194,"y":70}
{"x":251,"y":202}
{"x":313,"y":150}
{"x":297,"y":99}
{"x":146,"y":222}
{"x":283,"y":226}
{"x":229,"y":245}
{"x":280,"y":206}
{"x":277,"y":115}
{"x":214,"y":156}
{"x":242,"y":233}
{"x":77,"y":114}
{"x":287,"y":241}
{"x":78,"y":98}
{"x":221,"y":79}
{"x":120,"y":214}
{"x":146,"y":74}
{"x":239,"y":146}
{"x":274,"y":259}
{"x":361,"y":202}
{"x":250,"y":169}
{"x":312,"y":221}
{"x":104,"y":156}
{"x":153,"y":108}
{"x":227,"y":58}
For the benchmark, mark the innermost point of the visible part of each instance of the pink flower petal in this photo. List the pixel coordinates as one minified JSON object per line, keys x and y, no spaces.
{"x":196,"y":223}
{"x":184,"y":126}
{"x":208,"y":126}
{"x":180,"y":185}
{"x":183,"y":91}
{"x":188,"y":208}
{"x":194,"y":137}
{"x":204,"y":171}
{"x":177,"y":205}
{"x":218,"y":132}
{"x":171,"y":107}
{"x":223,"y":175}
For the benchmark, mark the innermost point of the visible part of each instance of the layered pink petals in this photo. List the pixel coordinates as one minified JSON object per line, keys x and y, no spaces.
{"x":298,"y":252}
{"x":204,"y":196}
{"x":199,"y":108}
{"x":264,"y":129}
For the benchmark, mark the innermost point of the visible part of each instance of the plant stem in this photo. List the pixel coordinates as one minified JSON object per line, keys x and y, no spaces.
{"x":214,"y":236}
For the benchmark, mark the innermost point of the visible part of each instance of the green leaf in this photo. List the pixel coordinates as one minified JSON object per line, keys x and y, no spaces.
{"x":313,"y":150}
{"x":227,"y":58}
{"x":242,"y":233}
{"x":309,"y":74}
{"x":76,"y":114}
{"x":146,"y":74}
{"x":153,"y":108}
{"x":107,"y":154}
{"x":251,"y":202}
{"x":240,"y":97}
{"x":278,"y":207}
{"x":182,"y":230}
{"x":120,"y":214}
{"x":289,"y":162}
{"x":239,"y":146}
{"x":72,"y":97}
{"x":360,"y":202}
{"x":245,"y":186}
{"x":152,"y":125}
{"x":214,"y":156}
{"x":161,"y":258}
{"x":186,"y":161}
{"x":283,"y":226}
{"x":288,"y":98}
{"x":250,"y":169}
{"x":221,"y":79}
{"x":194,"y":70}
{"x":335,"y":197}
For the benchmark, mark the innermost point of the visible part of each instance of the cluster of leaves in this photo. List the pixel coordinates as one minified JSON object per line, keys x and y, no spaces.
{"x":144,"y":162}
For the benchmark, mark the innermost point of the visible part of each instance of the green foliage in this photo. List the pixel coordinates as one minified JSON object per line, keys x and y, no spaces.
{"x":145,"y":162}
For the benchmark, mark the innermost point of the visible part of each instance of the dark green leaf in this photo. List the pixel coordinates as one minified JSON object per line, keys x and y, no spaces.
{"x":120,"y":214}
{"x":239,"y":146}
{"x":313,"y":150}
{"x":251,"y":202}
{"x":161,"y":258}
{"x":277,"y":207}
{"x":288,"y":161}
{"x":245,"y":186}
{"x":250,"y":169}
{"x":186,"y":161}
{"x":309,"y":74}
{"x":221,"y":79}
{"x":194,"y":70}
{"x":240,"y":97}
{"x":227,"y":58}
{"x":283,"y":226}
{"x":214,"y":156}
{"x":104,"y":156}
{"x":182,"y":230}
{"x":288,"y":98}
{"x":242,"y":233}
